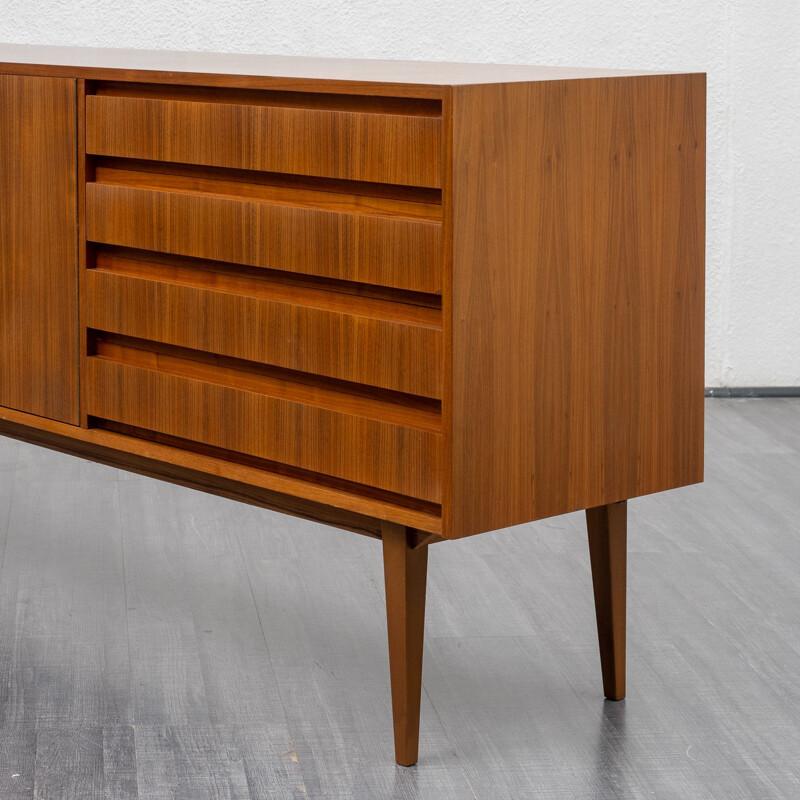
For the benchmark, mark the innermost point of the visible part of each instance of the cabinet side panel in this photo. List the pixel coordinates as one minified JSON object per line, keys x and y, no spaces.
{"x":578,"y":295}
{"x":38,"y":247}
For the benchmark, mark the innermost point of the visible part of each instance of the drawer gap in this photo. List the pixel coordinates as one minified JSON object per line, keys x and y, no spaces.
{"x":335,"y":395}
{"x":275,"y":467}
{"x":355,"y":197}
{"x":229,"y":282}
{"x":367,"y":104}
{"x":129,"y":260}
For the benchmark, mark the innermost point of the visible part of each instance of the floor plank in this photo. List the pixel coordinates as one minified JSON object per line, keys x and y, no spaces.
{"x":119,"y":763}
{"x":9,"y":450}
{"x":197,"y":648}
{"x":69,"y":763}
{"x":189,"y":762}
{"x":63,"y":647}
{"x":17,"y":761}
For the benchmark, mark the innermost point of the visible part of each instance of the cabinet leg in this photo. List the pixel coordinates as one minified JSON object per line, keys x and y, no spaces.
{"x":405,"y":572}
{"x":608,"y":553}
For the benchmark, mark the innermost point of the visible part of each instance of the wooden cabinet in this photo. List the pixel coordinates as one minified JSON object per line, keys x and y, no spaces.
{"x":415,"y":301}
{"x":38,"y":247}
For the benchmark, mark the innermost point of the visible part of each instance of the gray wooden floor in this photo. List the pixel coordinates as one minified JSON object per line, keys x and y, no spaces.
{"x":160,"y":643}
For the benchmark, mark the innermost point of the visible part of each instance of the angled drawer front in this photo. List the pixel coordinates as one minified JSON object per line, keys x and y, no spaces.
{"x":265,"y":419}
{"x":263,"y":281}
{"x":394,"y":252}
{"x":335,"y":143}
{"x":349,"y":338}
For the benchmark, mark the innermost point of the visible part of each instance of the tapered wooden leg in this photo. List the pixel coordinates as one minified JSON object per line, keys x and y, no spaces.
{"x":608,"y":553}
{"x":405,"y":571}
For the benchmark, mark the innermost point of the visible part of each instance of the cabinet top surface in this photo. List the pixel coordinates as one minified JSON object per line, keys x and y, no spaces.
{"x":431,"y":73}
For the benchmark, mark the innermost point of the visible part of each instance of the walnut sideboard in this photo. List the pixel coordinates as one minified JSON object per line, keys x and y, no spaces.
{"x":415,"y":301}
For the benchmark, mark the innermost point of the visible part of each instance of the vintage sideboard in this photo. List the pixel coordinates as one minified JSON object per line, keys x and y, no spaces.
{"x":418,"y":301}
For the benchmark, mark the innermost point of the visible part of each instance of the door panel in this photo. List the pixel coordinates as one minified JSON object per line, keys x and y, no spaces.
{"x":38,"y":247}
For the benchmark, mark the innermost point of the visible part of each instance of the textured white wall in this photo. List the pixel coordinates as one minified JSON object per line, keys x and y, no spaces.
{"x":751,"y":52}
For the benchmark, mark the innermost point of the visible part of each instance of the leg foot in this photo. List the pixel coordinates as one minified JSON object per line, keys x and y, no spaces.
{"x":405,"y":572}
{"x":608,"y":553}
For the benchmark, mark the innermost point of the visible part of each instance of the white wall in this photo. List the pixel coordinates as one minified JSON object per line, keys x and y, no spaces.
{"x":751,"y":51}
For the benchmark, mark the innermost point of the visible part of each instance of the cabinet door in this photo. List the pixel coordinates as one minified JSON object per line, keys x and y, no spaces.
{"x":38,"y":247}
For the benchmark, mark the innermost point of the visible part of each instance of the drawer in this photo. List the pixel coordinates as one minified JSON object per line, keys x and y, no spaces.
{"x":358,"y":440}
{"x":350,"y":338}
{"x":397,"y":252}
{"x":258,"y":134}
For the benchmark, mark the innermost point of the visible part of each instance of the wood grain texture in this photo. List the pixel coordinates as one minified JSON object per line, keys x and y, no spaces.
{"x":85,"y":171}
{"x":340,"y":506}
{"x":387,"y":251}
{"x":38,"y":272}
{"x":279,"y":384}
{"x":405,"y":575}
{"x":69,"y":764}
{"x":17,"y":760}
{"x":608,"y":538}
{"x":350,"y":197}
{"x":330,"y":143}
{"x":578,"y":252}
{"x":362,"y":340}
{"x":65,"y":562}
{"x":119,"y":763}
{"x":199,"y":660}
{"x":318,"y":438}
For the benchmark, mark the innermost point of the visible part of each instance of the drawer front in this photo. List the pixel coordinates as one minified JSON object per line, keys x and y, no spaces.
{"x":330,"y":143}
{"x":373,"y":249}
{"x":157,"y":396}
{"x":350,"y":338}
